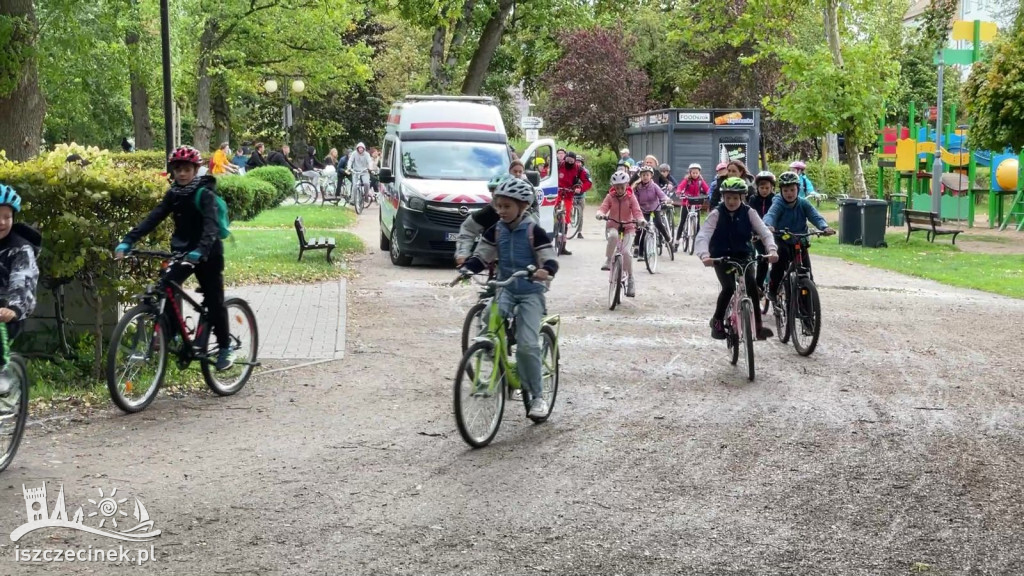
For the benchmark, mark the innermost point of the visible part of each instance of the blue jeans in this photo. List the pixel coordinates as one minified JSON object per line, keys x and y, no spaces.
{"x":528,"y":317}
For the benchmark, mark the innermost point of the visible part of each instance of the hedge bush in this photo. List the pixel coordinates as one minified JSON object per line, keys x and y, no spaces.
{"x":246,"y":197}
{"x":141,"y":160}
{"x":281,"y":177}
{"x":833,"y":178}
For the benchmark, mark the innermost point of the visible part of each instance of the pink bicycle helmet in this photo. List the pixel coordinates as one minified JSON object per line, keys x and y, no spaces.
{"x":721,"y":166}
{"x":798,"y":165}
{"x":186,"y":154}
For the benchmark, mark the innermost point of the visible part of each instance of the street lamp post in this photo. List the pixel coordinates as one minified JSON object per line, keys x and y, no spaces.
{"x":298,"y":87}
{"x":937,"y":164}
{"x":165,"y":41}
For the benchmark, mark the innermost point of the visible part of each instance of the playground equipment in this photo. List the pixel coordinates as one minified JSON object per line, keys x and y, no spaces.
{"x":1007,"y":179}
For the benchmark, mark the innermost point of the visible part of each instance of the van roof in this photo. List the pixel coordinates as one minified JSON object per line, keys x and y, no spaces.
{"x":461,"y":113}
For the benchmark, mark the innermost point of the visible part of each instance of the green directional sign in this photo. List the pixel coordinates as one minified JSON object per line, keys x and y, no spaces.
{"x":951,"y":56}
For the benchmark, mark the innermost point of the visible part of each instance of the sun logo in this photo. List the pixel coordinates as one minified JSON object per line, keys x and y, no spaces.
{"x":108,"y":508}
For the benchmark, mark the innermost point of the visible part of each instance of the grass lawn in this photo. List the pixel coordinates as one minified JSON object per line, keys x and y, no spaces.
{"x":266,"y":249}
{"x":939,"y":261}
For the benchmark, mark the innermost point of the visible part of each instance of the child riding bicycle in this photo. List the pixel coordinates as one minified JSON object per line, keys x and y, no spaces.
{"x":761,"y":202}
{"x":726,"y":233}
{"x":790,"y":212}
{"x":196,"y":233}
{"x":620,"y":204}
{"x":518,"y":242}
{"x":19,"y":245}
{"x":476,"y":223}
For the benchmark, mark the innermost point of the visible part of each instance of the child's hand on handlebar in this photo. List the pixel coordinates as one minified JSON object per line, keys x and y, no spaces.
{"x":773,"y":257}
{"x":707,"y":261}
{"x":541,"y":275}
{"x":828,"y":231}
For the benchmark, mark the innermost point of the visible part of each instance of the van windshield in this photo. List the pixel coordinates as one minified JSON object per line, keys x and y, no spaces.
{"x":449,"y":160}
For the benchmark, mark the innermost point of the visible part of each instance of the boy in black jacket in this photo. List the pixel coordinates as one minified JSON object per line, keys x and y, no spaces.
{"x":197,"y":233}
{"x":761,"y":202}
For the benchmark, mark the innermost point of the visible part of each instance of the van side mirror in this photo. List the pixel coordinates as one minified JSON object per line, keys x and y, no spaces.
{"x":533,"y":177}
{"x":386,"y":176}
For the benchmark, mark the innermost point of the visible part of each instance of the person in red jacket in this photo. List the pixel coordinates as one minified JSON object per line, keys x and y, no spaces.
{"x":572,"y":179}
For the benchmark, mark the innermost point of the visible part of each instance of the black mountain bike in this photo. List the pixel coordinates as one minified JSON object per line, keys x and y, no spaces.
{"x":13,"y":404}
{"x":797,"y":306}
{"x":142,"y":339}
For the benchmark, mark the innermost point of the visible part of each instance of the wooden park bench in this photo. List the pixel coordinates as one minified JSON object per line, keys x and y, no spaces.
{"x":929,"y":222}
{"x":314,"y":243}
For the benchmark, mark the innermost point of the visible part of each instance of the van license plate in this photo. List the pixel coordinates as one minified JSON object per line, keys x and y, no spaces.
{"x":452,"y":236}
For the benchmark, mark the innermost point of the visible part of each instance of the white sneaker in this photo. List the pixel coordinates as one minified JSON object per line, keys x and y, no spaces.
{"x":538,"y":408}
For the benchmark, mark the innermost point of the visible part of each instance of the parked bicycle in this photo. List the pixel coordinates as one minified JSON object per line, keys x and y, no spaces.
{"x":617,"y":276}
{"x":14,"y":386}
{"x":739,"y":324}
{"x":487,"y":374}
{"x":148,"y":332}
{"x":688,"y":229}
{"x":797,"y":306}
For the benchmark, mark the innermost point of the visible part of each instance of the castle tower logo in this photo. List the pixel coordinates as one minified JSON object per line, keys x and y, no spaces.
{"x":110,"y":516}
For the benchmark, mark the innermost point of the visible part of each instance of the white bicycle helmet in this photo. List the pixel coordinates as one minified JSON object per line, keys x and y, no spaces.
{"x":620,"y":178}
{"x":765,"y":175}
{"x":694,"y":165}
{"x":517,"y":190}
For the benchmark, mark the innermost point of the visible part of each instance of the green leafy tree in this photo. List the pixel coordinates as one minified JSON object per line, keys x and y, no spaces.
{"x":994,"y":92}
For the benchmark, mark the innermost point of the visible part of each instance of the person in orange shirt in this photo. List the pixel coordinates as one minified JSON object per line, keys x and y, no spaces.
{"x":220,"y":163}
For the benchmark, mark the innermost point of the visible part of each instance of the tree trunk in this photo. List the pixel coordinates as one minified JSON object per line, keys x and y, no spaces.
{"x":204,"y":121}
{"x":830,"y":148}
{"x":490,"y":39}
{"x":141,"y":124}
{"x":22,"y":111}
{"x":438,"y":82}
{"x":221,"y":111}
{"x":860,"y":188}
{"x":459,"y":36}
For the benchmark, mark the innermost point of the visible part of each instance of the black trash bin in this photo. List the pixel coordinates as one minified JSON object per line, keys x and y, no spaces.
{"x":897,"y":205}
{"x":849,"y":221}
{"x":872,"y":219}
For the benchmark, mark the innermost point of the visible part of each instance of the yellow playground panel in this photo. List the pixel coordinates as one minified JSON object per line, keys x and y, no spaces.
{"x":907,"y":151}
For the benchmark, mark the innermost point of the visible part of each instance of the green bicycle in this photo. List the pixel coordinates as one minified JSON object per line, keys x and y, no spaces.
{"x":487,"y":373}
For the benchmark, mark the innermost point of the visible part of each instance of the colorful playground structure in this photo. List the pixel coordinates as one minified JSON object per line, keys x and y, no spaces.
{"x":912,"y":157}
{"x":911,"y":150}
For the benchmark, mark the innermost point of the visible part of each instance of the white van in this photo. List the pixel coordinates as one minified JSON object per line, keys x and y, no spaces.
{"x":439,"y":153}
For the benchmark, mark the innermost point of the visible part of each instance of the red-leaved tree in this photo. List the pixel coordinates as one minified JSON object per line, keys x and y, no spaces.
{"x":593,"y":87}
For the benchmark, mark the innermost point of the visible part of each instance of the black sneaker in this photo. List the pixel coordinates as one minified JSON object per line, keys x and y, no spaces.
{"x":565,"y":252}
{"x":717,"y":330}
{"x":764,"y":333}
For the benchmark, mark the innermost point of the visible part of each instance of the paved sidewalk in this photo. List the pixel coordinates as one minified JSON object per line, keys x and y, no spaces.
{"x":298,"y":321}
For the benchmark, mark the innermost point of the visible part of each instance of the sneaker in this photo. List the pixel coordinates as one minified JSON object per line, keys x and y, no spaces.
{"x":764,"y":333}
{"x":565,"y":252}
{"x":607,"y":265}
{"x":630,"y":288}
{"x":717,"y":330}
{"x":517,"y":395}
{"x":225,"y":359}
{"x":579,"y":234}
{"x":538,"y":408}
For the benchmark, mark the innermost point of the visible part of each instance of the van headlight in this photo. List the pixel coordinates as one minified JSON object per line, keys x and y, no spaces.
{"x":411,"y":202}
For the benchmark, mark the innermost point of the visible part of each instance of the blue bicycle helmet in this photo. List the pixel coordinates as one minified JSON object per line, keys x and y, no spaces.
{"x":9,"y":197}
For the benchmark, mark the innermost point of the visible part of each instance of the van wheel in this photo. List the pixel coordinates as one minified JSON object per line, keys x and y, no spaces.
{"x":397,"y":257}
{"x":385,"y":244}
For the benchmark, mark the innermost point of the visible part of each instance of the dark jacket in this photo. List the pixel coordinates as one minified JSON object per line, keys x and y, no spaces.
{"x":194,"y":229}
{"x":19,"y":272}
{"x":255,"y":160}
{"x":761,"y":205}
{"x":277,"y":158}
{"x":310,"y":164}
{"x":732,"y":233}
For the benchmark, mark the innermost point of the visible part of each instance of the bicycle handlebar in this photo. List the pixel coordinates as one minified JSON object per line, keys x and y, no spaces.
{"x":464,"y":274}
{"x":634,"y":222}
{"x":785,"y":233}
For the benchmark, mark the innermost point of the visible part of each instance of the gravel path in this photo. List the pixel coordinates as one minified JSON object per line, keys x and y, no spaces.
{"x":896,"y":448}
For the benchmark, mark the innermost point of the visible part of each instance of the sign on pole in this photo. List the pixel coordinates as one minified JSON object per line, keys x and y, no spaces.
{"x":532,"y":135}
{"x":531,"y":123}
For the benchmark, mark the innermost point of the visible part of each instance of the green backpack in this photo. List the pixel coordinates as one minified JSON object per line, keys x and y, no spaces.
{"x":222,"y":212}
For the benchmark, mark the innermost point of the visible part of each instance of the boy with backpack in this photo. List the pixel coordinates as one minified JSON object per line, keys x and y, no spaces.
{"x":199,"y":224}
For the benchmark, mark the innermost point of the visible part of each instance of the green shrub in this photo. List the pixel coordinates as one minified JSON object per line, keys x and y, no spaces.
{"x":246,"y":197}
{"x":141,"y":160}
{"x":282,"y":179}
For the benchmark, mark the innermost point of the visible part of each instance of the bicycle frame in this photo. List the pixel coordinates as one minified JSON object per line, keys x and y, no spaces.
{"x":739,"y":271}
{"x":164,"y":291}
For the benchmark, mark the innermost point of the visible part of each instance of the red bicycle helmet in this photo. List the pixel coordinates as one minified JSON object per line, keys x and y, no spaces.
{"x":185,"y":154}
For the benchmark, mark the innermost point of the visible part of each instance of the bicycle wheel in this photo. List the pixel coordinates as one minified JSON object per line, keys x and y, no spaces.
{"x":305,"y":192}
{"x":781,"y":308}
{"x":474,"y":324}
{"x":136,"y":359}
{"x":746,"y":317}
{"x":13,"y":410}
{"x":651,"y":251}
{"x":806,"y":324}
{"x":244,"y":343}
{"x":576,"y":220}
{"x":479,"y":395}
{"x":671,"y":250}
{"x":692,"y":227}
{"x":357,"y":198}
{"x":548,"y":370}
{"x":559,"y":233}
{"x":615,"y":283}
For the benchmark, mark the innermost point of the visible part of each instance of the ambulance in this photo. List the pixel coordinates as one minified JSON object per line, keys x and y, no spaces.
{"x":439,"y":152}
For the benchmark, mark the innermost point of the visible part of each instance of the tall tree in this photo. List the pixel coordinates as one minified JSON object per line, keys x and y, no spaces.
{"x":994,"y":93}
{"x":21,"y":102}
{"x":142,"y":126}
{"x":490,"y":39}
{"x":580,"y":104}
